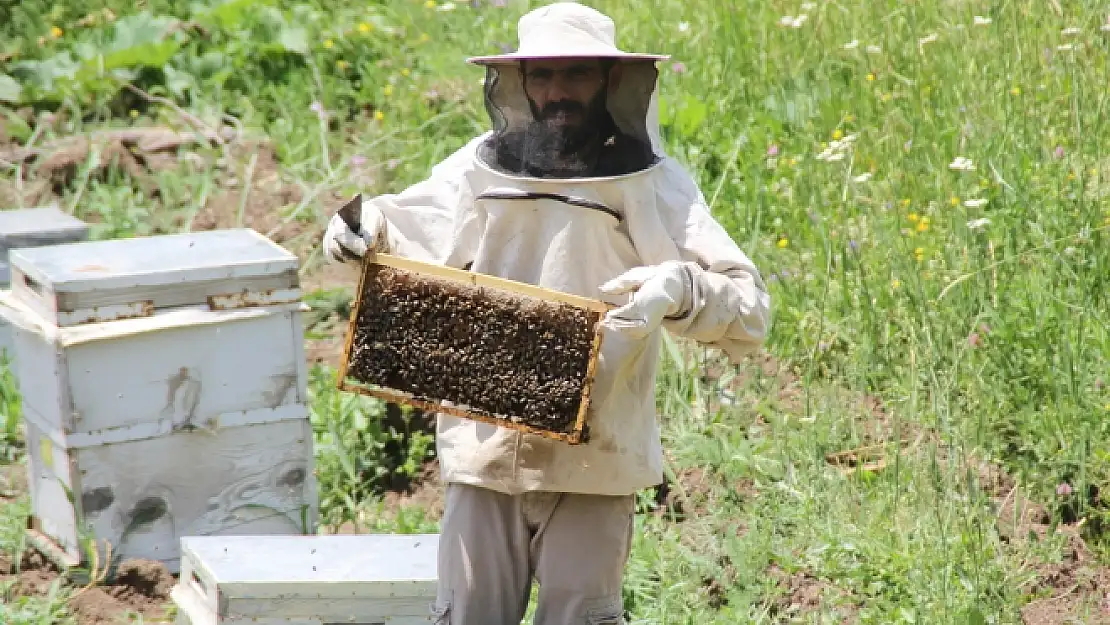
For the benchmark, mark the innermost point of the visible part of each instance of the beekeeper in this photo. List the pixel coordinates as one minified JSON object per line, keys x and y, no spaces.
{"x":570,"y":190}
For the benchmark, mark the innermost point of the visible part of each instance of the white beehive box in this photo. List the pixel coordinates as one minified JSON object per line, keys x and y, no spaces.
{"x":32,"y":227}
{"x":170,"y":390}
{"x":368,"y":579}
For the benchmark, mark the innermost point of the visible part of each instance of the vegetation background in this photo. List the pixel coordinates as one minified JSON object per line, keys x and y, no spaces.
{"x":925,"y":185}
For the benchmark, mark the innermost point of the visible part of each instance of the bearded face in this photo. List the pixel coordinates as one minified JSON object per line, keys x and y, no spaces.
{"x":570,"y":120}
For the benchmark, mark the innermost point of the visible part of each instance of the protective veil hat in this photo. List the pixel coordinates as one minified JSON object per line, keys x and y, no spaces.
{"x":565,"y":30}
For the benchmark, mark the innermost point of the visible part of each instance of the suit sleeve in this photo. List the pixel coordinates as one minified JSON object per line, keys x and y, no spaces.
{"x":432,"y":220}
{"x":727,"y":304}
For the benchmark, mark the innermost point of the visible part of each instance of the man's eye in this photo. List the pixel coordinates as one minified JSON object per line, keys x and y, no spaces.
{"x":539,"y":74}
{"x":578,"y":73}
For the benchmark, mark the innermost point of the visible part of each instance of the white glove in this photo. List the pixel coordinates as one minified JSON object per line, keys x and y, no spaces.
{"x":342,"y":245}
{"x":660,"y":291}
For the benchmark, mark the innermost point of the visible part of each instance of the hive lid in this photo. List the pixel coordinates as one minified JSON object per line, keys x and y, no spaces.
{"x":91,"y":281}
{"x":33,"y":227}
{"x":313,"y":566}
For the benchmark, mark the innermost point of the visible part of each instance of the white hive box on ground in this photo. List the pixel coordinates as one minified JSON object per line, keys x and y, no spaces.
{"x":367,"y":579}
{"x":170,"y":391}
{"x":32,"y":227}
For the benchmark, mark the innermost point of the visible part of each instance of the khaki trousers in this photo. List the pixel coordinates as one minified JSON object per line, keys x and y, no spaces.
{"x":492,"y":545}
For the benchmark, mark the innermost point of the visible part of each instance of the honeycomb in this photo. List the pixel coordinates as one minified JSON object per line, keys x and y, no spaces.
{"x":493,"y":354}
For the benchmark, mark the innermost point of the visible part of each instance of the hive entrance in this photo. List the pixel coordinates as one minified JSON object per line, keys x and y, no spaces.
{"x":493,"y":350}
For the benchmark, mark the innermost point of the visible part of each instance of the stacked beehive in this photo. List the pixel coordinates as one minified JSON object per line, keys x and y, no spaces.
{"x":170,"y":394}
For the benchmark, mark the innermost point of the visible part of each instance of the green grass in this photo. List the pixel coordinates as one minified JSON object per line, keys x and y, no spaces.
{"x":993,"y":339}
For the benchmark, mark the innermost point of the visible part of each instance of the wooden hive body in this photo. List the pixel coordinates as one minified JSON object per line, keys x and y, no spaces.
{"x":368,"y":579}
{"x":171,"y":391}
{"x":32,"y":227}
{"x":437,"y":373}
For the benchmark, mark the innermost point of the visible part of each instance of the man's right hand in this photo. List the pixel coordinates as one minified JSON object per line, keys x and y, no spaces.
{"x":343,"y":245}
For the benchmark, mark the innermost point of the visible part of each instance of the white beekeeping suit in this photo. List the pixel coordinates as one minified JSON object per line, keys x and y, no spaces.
{"x":579,"y":198}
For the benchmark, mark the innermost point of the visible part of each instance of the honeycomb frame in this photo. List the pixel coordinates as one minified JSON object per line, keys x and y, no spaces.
{"x":468,"y":281}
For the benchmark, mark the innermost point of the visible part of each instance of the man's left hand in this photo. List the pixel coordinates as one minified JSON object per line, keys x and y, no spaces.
{"x":659,"y":292}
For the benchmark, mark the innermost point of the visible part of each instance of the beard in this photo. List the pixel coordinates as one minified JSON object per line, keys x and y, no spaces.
{"x":556,"y":147}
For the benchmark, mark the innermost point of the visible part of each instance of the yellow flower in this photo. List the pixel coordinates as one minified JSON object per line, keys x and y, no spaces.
{"x":387,"y":91}
{"x":870,"y":77}
{"x":837,"y":134}
{"x":783,"y":242}
{"x":405,"y":71}
{"x":1071,"y":176}
{"x":885,"y":97}
{"x":954,"y":201}
{"x":55,"y":32}
{"x":133,"y":113}
{"x":895,"y":283}
{"x":923,"y":225}
{"x":849,"y":118}
{"x":905,"y":202}
{"x":424,"y":38}
{"x":919,"y":253}
{"x":341,"y":64}
{"x":430,"y":4}
{"x":364,"y":27}
{"x":792,"y":162}
{"x":378,"y":115}
{"x":912,"y":217}
{"x":328,"y":43}
{"x":1015,"y":91}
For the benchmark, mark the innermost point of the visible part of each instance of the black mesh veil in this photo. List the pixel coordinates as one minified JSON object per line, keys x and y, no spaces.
{"x":608,"y":135}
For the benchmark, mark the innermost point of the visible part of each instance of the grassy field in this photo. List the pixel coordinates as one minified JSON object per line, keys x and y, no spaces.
{"x":926,"y":186}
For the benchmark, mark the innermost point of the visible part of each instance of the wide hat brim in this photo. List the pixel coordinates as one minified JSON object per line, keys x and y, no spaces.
{"x":517,"y":57}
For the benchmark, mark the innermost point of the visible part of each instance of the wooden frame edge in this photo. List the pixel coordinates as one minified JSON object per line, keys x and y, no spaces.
{"x":480,"y":279}
{"x":356,"y":305}
{"x":437,"y":408}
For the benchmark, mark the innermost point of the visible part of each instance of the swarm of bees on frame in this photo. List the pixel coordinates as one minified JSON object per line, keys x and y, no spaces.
{"x":500,"y":354}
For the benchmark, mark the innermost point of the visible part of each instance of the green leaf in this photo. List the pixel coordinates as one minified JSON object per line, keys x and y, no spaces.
{"x":294,"y":39}
{"x":9,"y":89}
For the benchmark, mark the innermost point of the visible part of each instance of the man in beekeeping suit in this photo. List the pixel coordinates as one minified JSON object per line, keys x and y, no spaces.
{"x":571,"y":191}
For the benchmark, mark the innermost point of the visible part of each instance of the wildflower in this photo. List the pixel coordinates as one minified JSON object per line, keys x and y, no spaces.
{"x":808,"y":6}
{"x":961,"y":163}
{"x":683,"y":27}
{"x":133,"y":113}
{"x":1067,"y":47}
{"x":447,"y":6}
{"x":364,"y":28}
{"x":870,"y":77}
{"x":392,"y":164}
{"x":981,"y":21}
{"x":1063,"y":489}
{"x":55,"y":32}
{"x":895,"y":283}
{"x":424,"y":38}
{"x":379,"y":116}
{"x":851,"y":45}
{"x":864,"y":177}
{"x":974,"y":340}
{"x":430,"y":4}
{"x":793,"y":22}
{"x":794,"y":161}
{"x":976,"y":203}
{"x":387,"y":91}
{"x":905,"y":202}
{"x":772,"y":150}
{"x":783,"y":242}
{"x":837,"y":134}
{"x":912,"y":217}
{"x":341,"y":64}
{"x":978,"y":224}
{"x":919,"y":253}
{"x":1071,"y":30}
{"x":954,"y":201}
{"x":318,"y":108}
{"x":1015,"y":91}
{"x":930,"y":38}
{"x":923,"y":225}
{"x":873,"y":49}
{"x":329,"y":44}
{"x":678,"y":67}
{"x":358,"y":160}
